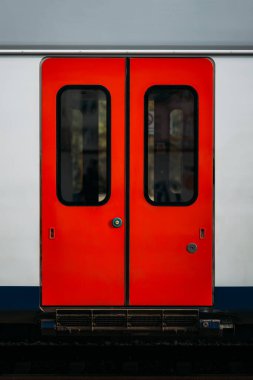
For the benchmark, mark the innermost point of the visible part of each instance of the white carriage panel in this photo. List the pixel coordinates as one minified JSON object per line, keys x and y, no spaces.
{"x":20,"y":170}
{"x":234,"y":171}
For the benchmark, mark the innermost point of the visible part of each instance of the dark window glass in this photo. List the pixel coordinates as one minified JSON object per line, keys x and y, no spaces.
{"x":171,"y":145}
{"x":83,"y":145}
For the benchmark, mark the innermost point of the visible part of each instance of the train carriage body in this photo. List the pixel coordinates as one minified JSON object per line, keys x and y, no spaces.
{"x":126,"y":168}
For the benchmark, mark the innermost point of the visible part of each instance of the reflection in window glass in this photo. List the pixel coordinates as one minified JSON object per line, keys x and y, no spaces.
{"x":171,"y":145}
{"x":82,"y":145}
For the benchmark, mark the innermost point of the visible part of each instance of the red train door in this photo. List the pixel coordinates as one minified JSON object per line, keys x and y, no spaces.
{"x":171,"y":202}
{"x":82,"y":168}
{"x":165,"y":244}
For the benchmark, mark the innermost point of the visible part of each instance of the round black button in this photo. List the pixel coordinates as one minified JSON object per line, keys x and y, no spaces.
{"x":192,"y":247}
{"x":117,"y":222}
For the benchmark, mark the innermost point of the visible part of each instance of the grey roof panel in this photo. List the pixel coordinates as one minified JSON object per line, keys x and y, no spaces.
{"x":126,"y":24}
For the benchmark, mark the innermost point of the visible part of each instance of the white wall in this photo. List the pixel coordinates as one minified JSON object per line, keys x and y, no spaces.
{"x":234,"y":171}
{"x":19,"y":171}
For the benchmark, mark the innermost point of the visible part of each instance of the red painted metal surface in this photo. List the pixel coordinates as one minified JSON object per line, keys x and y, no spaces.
{"x":162,"y":272}
{"x":84,"y":263}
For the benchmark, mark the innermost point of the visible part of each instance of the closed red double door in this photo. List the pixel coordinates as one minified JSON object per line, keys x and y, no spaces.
{"x":127,"y":182}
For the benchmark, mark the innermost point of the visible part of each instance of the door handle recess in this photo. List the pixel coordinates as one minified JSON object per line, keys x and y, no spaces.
{"x":117,"y":222}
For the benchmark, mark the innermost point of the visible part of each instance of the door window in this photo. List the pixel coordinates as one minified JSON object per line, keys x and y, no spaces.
{"x":171,"y":161}
{"x":83,"y":145}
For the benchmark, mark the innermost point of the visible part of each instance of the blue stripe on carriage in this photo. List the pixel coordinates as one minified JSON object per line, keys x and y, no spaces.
{"x":19,"y":297}
{"x":233,"y":298}
{"x":28,"y":298}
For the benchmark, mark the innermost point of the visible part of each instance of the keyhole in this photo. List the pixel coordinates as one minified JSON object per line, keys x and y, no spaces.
{"x":51,"y":233}
{"x":202,"y":233}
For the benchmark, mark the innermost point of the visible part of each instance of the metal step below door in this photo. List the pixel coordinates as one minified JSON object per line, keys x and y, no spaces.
{"x":126,"y":320}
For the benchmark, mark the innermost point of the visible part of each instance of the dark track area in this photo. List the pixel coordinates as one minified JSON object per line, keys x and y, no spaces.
{"x":23,"y":352}
{"x":126,"y":377}
{"x":116,"y":360}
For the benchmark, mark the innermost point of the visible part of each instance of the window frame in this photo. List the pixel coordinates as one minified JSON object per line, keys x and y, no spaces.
{"x":58,"y":144}
{"x":196,"y":145}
